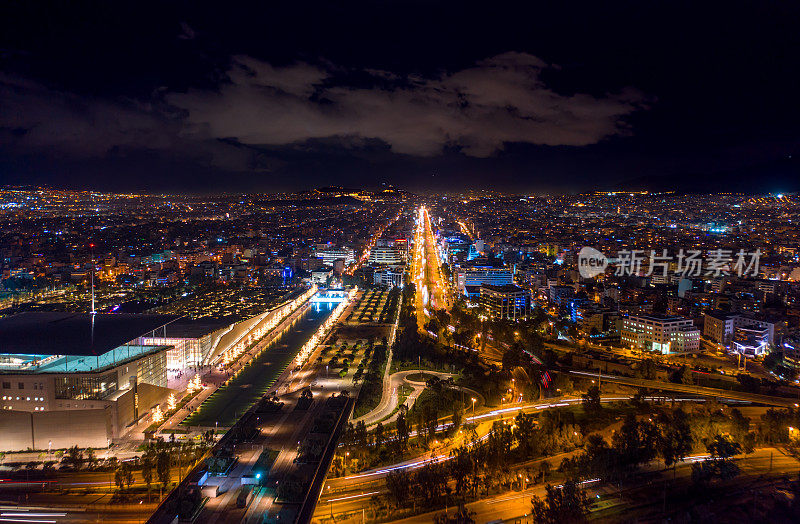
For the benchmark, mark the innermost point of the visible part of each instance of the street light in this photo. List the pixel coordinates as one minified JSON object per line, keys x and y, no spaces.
{"x":473,"y":406}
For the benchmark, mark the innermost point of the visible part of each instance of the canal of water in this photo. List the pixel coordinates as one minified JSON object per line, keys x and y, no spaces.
{"x":231,"y":401}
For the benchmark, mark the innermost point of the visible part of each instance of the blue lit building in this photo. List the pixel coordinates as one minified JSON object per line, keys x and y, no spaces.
{"x":508,"y":301}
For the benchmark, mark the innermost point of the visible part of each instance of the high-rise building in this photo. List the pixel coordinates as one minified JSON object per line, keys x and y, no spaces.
{"x":330,"y":255}
{"x":385,"y":255}
{"x":389,"y":277}
{"x":750,"y":342}
{"x":720,"y":326}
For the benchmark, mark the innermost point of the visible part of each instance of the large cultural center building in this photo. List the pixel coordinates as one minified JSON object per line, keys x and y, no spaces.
{"x":77,"y":378}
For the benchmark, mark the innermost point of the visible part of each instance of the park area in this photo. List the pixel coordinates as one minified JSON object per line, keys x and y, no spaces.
{"x":376,"y":306}
{"x":344,"y":357}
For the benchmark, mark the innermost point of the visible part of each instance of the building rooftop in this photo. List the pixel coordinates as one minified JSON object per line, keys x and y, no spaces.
{"x":505,"y":288}
{"x":660,"y":318}
{"x":479,"y":264}
{"x":187,"y":328}
{"x":721,"y":315}
{"x":74,"y":334}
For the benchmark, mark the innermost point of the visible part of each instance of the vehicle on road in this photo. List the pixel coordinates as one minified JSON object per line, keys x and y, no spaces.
{"x":244,"y":497}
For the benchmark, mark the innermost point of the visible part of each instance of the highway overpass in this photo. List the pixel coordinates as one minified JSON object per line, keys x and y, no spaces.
{"x":657,"y":385}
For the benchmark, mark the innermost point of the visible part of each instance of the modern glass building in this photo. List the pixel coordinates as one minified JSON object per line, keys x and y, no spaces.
{"x":509,"y":301}
{"x":77,"y":378}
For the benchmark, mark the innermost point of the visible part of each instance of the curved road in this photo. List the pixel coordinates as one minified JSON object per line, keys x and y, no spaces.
{"x":390,"y":397}
{"x":443,"y":453}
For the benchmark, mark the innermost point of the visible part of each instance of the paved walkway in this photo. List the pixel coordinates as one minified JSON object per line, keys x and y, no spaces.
{"x":216,"y":379}
{"x":390,"y":397}
{"x":386,"y":394}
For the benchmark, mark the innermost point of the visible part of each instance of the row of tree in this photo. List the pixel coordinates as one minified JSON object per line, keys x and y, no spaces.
{"x":159,"y":460}
{"x":669,"y":435}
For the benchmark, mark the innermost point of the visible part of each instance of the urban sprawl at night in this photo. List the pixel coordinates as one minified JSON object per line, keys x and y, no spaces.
{"x":399,"y":262}
{"x":336,"y":353}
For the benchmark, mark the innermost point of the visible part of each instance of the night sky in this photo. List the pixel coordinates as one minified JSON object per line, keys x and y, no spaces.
{"x":272,"y":96}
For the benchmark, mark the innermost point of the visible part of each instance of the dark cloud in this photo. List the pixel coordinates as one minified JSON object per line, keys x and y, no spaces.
{"x":36,"y":120}
{"x":261,"y":108}
{"x":477,"y":110}
{"x":305,"y":93}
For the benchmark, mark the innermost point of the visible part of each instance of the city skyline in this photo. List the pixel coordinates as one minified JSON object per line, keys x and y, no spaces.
{"x":250,"y":357}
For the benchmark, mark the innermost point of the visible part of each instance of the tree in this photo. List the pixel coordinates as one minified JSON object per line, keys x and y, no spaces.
{"x":435,"y":384}
{"x":680,"y":376}
{"x":430,"y":417}
{"x":544,"y":469}
{"x":513,"y":357}
{"x":91,"y":458}
{"x":461,"y":468}
{"x":457,"y":408}
{"x":208,"y":438}
{"x":748,"y":383}
{"x":598,"y":460}
{"x":525,"y":433}
{"x":723,"y":447}
{"x":740,"y":427}
{"x":119,"y":476}
{"x":635,"y":442}
{"x":148,"y":462}
{"x":675,"y":437}
{"x":461,"y":516}
{"x":591,"y":401}
{"x":402,"y":428}
{"x":361,"y":435}
{"x":774,"y":422}
{"x":163,"y":467}
{"x":123,"y":476}
{"x":433,"y":326}
{"x":773,"y":360}
{"x":719,"y":466}
{"x":398,"y":483}
{"x":379,"y":435}
{"x":647,"y":369}
{"x":74,"y":457}
{"x":430,"y":482}
{"x":128,"y":476}
{"x":565,"y":505}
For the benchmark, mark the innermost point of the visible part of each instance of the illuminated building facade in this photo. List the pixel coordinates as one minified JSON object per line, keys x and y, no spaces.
{"x":667,"y":334}
{"x":78,"y":379}
{"x":509,"y":302}
{"x":479,"y":275}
